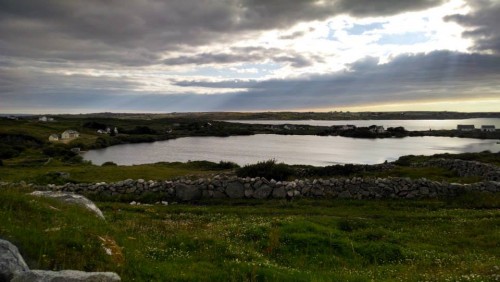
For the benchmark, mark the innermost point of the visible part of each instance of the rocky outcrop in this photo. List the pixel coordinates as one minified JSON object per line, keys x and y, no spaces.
{"x":11,"y":261}
{"x":71,"y":198}
{"x":65,"y":275}
{"x":14,"y":269}
{"x":260,"y":188}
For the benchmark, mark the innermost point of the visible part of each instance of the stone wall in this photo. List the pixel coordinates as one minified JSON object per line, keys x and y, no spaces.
{"x":466,"y":168}
{"x":259,"y":188}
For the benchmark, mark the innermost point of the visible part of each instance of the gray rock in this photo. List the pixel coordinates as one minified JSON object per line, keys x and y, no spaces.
{"x":263,"y":192}
{"x":11,"y":261}
{"x":235,"y":190}
{"x":65,"y":275}
{"x":71,"y":198}
{"x":249,"y":192}
{"x":279,"y":193}
{"x":187,"y":192}
{"x":345,"y":194}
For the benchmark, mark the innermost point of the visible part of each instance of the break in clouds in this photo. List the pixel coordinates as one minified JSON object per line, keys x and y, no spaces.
{"x":147,"y":55}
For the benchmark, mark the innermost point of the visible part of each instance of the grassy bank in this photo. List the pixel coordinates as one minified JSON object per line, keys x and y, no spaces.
{"x":59,"y":173}
{"x":306,"y":240}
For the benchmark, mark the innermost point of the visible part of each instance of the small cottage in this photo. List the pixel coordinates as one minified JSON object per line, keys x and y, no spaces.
{"x":488,"y":128}
{"x":70,"y":134}
{"x":54,"y":137}
{"x":45,"y":119}
{"x":465,"y":127}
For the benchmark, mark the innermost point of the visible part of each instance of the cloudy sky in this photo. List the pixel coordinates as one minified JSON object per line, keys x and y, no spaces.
{"x":78,"y":56}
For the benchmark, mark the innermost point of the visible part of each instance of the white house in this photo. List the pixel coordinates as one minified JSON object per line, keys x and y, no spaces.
{"x":465,"y":127}
{"x":45,"y":119}
{"x":70,"y":134}
{"x":54,"y":137}
{"x":488,"y":128}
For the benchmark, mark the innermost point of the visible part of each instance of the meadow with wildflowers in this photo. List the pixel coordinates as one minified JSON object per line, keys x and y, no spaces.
{"x":272,"y":240}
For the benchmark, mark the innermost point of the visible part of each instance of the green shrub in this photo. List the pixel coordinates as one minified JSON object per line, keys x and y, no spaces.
{"x":222,"y":165}
{"x":268,"y":169}
{"x":109,"y":164}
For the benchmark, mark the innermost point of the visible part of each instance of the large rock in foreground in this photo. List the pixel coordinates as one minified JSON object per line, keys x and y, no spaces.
{"x":71,"y":198}
{"x":66,"y":276}
{"x":11,"y":261}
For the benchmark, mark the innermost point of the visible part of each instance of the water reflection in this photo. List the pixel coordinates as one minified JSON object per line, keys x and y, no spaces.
{"x":291,"y":149}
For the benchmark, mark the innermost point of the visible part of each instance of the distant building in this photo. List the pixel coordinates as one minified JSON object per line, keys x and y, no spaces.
{"x":488,"y":128}
{"x":465,"y":127}
{"x":377,"y":129}
{"x":70,"y":134}
{"x":54,"y":137}
{"x":45,"y":119}
{"x":348,"y":127}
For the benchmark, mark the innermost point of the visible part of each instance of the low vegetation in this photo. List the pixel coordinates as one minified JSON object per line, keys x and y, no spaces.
{"x":305,"y":240}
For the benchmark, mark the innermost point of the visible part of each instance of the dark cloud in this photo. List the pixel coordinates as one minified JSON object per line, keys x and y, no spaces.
{"x":363,"y":8}
{"x":483,"y":25}
{"x":136,"y":32}
{"x":246,"y":55}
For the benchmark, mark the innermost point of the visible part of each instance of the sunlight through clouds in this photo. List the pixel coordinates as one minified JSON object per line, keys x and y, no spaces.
{"x":331,"y":53}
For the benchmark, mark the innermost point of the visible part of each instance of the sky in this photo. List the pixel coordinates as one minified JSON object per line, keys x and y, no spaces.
{"x":83,"y":56}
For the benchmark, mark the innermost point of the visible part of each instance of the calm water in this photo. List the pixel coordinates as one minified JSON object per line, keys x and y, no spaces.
{"x":412,"y":125}
{"x":291,"y":149}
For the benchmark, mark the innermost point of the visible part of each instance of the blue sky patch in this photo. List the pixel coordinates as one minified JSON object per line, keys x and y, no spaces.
{"x":409,"y":38}
{"x":358,"y":29}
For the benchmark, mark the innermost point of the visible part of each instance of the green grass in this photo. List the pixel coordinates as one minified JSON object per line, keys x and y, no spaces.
{"x":86,"y":173}
{"x":305,"y":240}
{"x":432,"y":173}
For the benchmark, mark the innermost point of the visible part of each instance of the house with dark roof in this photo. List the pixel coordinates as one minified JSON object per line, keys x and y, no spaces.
{"x":465,"y":127}
{"x":70,"y":134}
{"x":488,"y":128}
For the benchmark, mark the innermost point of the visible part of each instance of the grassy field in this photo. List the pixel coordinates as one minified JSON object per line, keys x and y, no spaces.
{"x":87,"y":173}
{"x":305,"y":240}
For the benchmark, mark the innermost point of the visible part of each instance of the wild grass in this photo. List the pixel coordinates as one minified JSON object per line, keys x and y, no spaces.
{"x":304,"y":240}
{"x":86,"y":173}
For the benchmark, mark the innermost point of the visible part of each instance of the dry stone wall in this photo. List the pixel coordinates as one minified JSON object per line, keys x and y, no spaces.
{"x":219,"y":187}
